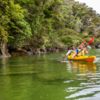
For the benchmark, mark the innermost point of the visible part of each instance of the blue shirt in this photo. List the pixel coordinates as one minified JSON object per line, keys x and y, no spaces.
{"x":77,"y":51}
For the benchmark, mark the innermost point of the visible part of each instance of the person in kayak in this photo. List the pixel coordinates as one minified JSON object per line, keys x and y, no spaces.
{"x":83,"y":51}
{"x":69,"y":52}
{"x":76,"y":51}
{"x":80,"y":51}
{"x":72,"y":51}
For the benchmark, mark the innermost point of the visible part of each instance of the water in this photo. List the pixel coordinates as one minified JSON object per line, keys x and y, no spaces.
{"x":47,"y":78}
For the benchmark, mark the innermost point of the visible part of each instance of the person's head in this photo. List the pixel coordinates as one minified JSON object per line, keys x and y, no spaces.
{"x":81,"y":46}
{"x":73,"y":47}
{"x":69,"y":48}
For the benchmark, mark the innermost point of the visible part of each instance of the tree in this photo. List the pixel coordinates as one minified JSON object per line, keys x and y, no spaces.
{"x":13,"y":27}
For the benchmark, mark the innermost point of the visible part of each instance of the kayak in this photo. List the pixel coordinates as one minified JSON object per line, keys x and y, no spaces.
{"x":83,"y":58}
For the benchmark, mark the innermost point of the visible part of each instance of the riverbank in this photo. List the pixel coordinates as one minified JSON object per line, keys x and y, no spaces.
{"x":39,"y":51}
{"x":36,"y":51}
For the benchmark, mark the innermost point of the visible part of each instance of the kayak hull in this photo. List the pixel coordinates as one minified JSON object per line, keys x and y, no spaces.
{"x":83,"y":58}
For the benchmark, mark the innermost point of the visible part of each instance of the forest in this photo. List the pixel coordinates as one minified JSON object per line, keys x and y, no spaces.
{"x":39,"y":26}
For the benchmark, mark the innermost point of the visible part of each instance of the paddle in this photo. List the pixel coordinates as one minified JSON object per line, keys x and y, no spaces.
{"x":86,"y":44}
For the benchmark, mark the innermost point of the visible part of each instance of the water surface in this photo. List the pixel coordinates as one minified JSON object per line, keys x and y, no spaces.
{"x":47,"y":78}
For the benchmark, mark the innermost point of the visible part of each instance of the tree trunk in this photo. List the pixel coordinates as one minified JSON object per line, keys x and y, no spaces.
{"x":4,"y":50}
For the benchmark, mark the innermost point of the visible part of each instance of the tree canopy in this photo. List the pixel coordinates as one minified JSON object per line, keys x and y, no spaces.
{"x":44,"y":24}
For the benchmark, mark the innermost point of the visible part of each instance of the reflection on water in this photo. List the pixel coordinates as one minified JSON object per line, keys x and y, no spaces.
{"x":32,"y":78}
{"x":82,"y":67}
{"x":88,"y":82}
{"x":44,"y":78}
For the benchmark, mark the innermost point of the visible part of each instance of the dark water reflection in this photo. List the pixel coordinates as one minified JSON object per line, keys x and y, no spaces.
{"x":46,"y":78}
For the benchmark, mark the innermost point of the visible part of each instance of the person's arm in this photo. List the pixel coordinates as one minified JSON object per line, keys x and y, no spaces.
{"x":66,"y":55}
{"x":69,"y":51}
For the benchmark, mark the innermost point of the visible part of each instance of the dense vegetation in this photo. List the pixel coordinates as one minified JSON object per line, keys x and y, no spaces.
{"x":44,"y":25}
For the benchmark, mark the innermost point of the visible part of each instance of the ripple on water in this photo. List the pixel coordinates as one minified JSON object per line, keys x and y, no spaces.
{"x":88,"y":88}
{"x":95,"y":97}
{"x":97,"y":60}
{"x":84,"y":92}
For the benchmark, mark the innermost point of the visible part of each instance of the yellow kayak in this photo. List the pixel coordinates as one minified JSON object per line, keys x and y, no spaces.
{"x":82,"y":58}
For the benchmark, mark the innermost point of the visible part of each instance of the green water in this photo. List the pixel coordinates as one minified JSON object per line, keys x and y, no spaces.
{"x":46,"y":78}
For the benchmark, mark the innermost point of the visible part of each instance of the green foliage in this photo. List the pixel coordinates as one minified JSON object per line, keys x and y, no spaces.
{"x":13,"y":26}
{"x":45,"y":23}
{"x":69,"y":37}
{"x":3,"y":35}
